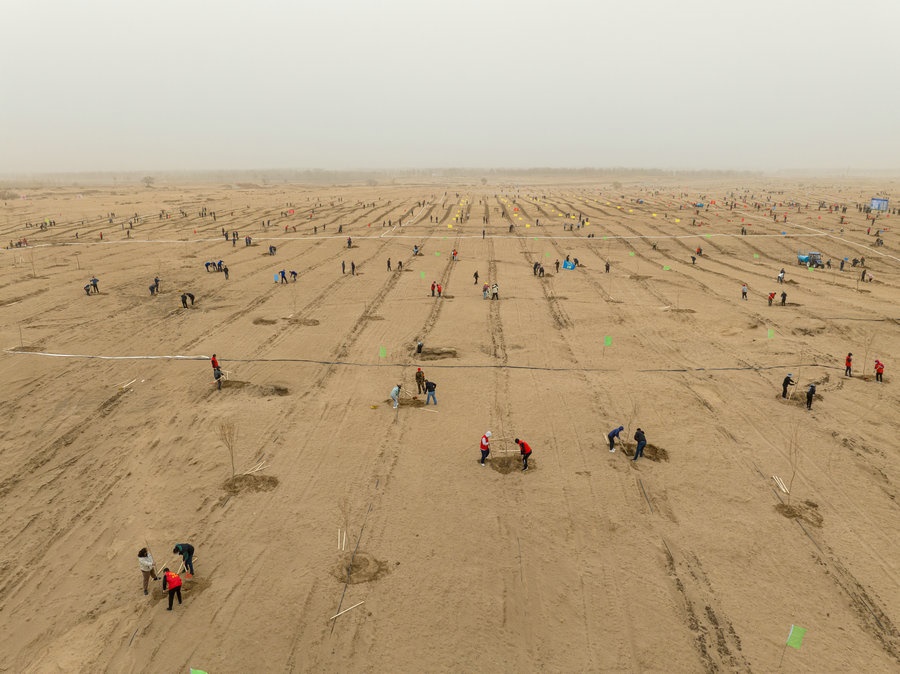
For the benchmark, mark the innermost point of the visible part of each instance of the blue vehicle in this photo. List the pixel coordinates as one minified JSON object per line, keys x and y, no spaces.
{"x":810,"y":259}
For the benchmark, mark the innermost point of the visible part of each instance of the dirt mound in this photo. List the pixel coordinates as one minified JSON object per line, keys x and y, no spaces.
{"x":808,"y":511}
{"x":303,"y":321}
{"x":437,"y":353}
{"x":365,"y":568}
{"x":509,"y":463}
{"x":651,"y":452}
{"x":274,"y":390}
{"x":190,"y":587}
{"x":414,"y":401}
{"x":264,"y":321}
{"x":250,"y":483}
{"x":808,"y":328}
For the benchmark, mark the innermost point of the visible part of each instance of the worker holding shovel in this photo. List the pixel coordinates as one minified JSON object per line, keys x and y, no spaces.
{"x":485,"y":446}
{"x":172,"y":585}
{"x":145,"y":561}
{"x":525,"y":448}
{"x":186,"y":550}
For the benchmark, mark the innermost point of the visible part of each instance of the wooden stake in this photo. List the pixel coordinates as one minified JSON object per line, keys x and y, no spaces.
{"x":347,"y":609}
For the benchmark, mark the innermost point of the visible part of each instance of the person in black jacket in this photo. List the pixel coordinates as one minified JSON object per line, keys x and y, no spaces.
{"x":641,"y":443}
{"x":809,"y":396}
{"x":429,"y":390}
{"x":784,"y":385}
{"x":186,"y":550}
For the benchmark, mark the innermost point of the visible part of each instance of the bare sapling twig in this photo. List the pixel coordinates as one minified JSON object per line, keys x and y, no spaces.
{"x":228,"y":436}
{"x":797,"y":383}
{"x":870,"y":338}
{"x":794,"y":457}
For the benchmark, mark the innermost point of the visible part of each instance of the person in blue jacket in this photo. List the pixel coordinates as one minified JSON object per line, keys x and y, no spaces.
{"x":612,"y":435}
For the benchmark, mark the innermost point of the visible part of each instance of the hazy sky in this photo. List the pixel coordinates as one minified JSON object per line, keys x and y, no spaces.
{"x":191,"y":84}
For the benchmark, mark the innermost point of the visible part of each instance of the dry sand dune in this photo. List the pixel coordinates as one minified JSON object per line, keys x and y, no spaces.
{"x":691,"y":559}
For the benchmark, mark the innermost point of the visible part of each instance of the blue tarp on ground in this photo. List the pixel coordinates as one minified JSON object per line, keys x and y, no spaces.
{"x":568,"y":265}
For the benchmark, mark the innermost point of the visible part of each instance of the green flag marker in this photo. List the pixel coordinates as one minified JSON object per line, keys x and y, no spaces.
{"x":795,"y":638}
{"x":438,"y":253}
{"x":421,"y":274}
{"x":382,"y":352}
{"x":771,"y":334}
{"x":546,"y":254}
{"x":631,"y":253}
{"x":708,"y":236}
{"x":667,"y":268}
{"x":607,"y":341}
{"x":197,"y":671}
{"x":809,"y":269}
{"x":755,"y":256}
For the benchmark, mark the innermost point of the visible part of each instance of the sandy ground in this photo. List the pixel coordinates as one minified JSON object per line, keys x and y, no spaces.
{"x":683,"y":561}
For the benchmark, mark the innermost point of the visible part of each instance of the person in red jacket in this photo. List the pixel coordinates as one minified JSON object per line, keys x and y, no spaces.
{"x":848,"y":365}
{"x":172,"y":583}
{"x":525,"y":448}
{"x":485,"y":446}
{"x":217,"y":372}
{"x":879,"y":371}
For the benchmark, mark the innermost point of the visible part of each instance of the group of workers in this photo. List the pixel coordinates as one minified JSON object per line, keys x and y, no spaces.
{"x":485,"y":447}
{"x":171,"y":581}
{"x":848,"y":372}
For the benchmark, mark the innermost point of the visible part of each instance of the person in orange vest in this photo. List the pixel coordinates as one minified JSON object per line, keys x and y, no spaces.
{"x":771,"y":297}
{"x":848,"y":364}
{"x":879,"y":371}
{"x":433,"y":286}
{"x":172,"y":585}
{"x":440,"y":289}
{"x":525,"y":448}
{"x":485,"y":446}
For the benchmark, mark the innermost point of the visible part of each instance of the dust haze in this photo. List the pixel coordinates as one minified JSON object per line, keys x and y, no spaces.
{"x":401,"y":85}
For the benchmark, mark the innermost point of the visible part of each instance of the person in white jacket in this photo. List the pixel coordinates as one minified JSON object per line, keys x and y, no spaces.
{"x":145,"y":561}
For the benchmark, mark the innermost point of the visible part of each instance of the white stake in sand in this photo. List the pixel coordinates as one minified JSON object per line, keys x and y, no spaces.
{"x":346,"y":609}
